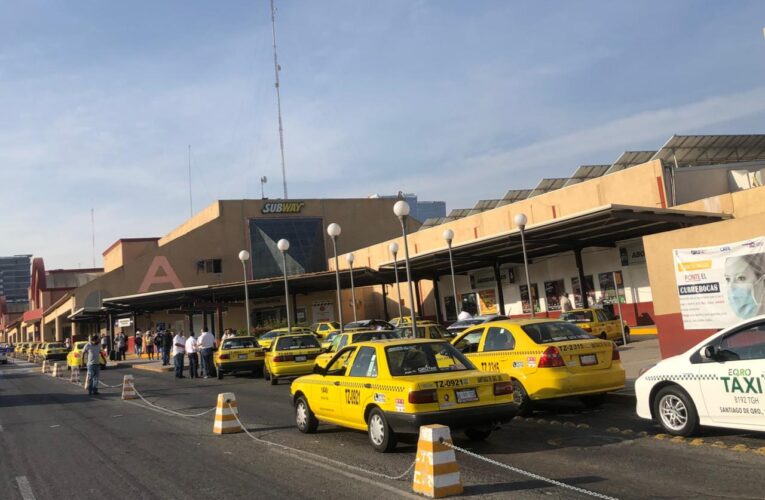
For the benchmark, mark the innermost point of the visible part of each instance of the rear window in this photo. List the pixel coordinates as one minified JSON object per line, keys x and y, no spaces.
{"x":558,"y":331}
{"x":419,"y":359}
{"x":362,"y":337}
{"x":272,"y":334}
{"x":577,"y":316}
{"x":56,"y":346}
{"x":239,"y":344}
{"x":301,"y":342}
{"x":466,"y":323}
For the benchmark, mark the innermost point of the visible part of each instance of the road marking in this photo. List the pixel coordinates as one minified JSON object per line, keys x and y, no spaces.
{"x":56,"y":425}
{"x":1,"y":428}
{"x":24,"y":488}
{"x":116,"y":416}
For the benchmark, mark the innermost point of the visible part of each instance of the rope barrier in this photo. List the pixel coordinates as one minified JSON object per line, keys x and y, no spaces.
{"x":319,"y":457}
{"x":528,"y":474}
{"x":168,"y":410}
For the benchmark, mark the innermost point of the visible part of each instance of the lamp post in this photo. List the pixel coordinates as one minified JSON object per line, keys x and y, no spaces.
{"x":244,"y":256}
{"x":334,"y":230}
{"x":284,"y":245}
{"x":401,"y":209}
{"x":520,"y":221}
{"x":349,"y":258}
{"x":449,"y":236}
{"x":393,"y":247}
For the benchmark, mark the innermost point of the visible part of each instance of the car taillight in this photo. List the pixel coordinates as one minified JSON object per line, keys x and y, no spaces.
{"x":502,"y":388}
{"x":551,"y":358}
{"x":423,"y":397}
{"x":615,"y":356}
{"x":224,"y":356}
{"x":283,"y":357}
{"x":587,"y":328}
{"x":77,"y":355}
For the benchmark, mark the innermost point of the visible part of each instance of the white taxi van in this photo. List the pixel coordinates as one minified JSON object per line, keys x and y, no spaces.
{"x":720,"y":382}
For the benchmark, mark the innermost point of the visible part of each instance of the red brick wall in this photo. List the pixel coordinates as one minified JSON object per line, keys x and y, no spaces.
{"x":674,"y":338}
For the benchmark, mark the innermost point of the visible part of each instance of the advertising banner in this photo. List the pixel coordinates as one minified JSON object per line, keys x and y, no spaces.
{"x":488,"y":301}
{"x":322,"y":311}
{"x":721,"y":285}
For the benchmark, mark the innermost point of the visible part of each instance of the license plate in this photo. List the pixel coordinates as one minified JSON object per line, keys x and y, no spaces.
{"x":466,"y":395}
{"x":300,"y":358}
{"x":242,"y":356}
{"x":588,"y":359}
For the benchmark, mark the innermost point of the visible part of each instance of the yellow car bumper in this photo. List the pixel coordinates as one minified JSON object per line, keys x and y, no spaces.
{"x":291,"y":368}
{"x":560,"y":383}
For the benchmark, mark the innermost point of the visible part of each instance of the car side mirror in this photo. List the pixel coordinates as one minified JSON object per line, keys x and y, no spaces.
{"x":319,"y":370}
{"x":711,"y":352}
{"x":617,"y":317}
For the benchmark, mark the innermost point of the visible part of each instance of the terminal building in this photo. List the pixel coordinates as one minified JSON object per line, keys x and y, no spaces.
{"x":613,"y":233}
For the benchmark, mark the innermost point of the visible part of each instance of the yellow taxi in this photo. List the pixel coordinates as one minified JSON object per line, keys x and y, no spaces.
{"x":21,"y":348}
{"x":33,"y":349}
{"x":291,"y":356}
{"x":51,"y":351}
{"x":425,"y":330}
{"x":344,"y":339}
{"x":267,"y":338}
{"x":392,"y":387}
{"x":402,"y":321}
{"x":545,"y":359}
{"x":239,"y":354}
{"x":75,"y":359}
{"x":326,"y":342}
{"x":597,"y":322}
{"x":324,"y":328}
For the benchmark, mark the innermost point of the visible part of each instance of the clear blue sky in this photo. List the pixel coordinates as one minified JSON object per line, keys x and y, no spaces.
{"x":452,"y":100}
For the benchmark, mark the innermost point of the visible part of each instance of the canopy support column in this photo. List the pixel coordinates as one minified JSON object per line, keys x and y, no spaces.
{"x":580,"y":273}
{"x":500,"y":291}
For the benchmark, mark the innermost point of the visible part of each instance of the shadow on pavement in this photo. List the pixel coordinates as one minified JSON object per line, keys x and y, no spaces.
{"x":485,"y":489}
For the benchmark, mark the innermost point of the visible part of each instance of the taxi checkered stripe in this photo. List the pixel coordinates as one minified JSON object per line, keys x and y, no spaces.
{"x":359,"y":385}
{"x":507,"y":351}
{"x":683,"y":376}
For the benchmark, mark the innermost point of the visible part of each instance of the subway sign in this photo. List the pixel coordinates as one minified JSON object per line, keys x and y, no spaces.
{"x":283,"y":207}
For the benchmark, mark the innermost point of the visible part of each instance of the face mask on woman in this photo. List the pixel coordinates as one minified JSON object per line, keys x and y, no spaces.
{"x":742,"y":300}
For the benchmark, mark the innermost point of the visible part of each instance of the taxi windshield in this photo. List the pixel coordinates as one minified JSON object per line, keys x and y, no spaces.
{"x":239,"y":344}
{"x":56,"y":346}
{"x":301,"y":342}
{"x":577,"y":316}
{"x":557,"y":331}
{"x":272,"y":334}
{"x":420,"y":359}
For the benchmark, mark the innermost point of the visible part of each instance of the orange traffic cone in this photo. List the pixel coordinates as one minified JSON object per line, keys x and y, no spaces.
{"x":128,"y":389}
{"x":436,"y":473}
{"x":225,"y":417}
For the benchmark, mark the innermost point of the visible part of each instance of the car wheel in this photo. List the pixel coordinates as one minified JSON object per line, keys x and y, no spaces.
{"x":219,"y":373}
{"x":521,"y":399}
{"x":475,"y":434}
{"x":304,"y":417}
{"x":603,"y":336}
{"x":381,"y":436}
{"x":273,"y":380}
{"x":676,"y":411}
{"x":593,"y":400}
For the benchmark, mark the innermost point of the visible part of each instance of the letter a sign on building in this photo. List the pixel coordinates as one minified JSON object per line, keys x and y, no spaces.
{"x":153,"y":276}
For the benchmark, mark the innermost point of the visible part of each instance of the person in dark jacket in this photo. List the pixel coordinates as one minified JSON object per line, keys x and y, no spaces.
{"x":167,"y":345}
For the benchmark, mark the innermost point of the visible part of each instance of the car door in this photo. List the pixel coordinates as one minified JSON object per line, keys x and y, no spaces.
{"x":356,"y":388}
{"x":330,"y":392}
{"x":496,"y":352}
{"x":732,"y":384}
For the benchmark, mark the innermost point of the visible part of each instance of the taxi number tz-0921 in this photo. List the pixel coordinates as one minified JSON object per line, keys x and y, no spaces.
{"x":451,"y":383}
{"x":352,"y":396}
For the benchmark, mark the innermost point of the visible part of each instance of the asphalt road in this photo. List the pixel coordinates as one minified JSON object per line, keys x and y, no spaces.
{"x":56,"y":442}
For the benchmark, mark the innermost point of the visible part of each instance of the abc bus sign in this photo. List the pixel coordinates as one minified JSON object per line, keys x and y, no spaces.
{"x":283,"y":207}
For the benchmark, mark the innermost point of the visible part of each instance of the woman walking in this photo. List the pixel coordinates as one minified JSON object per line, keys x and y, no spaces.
{"x":148,"y":341}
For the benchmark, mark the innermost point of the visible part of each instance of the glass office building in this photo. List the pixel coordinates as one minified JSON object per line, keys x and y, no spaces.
{"x":15,"y":276}
{"x":306,"y":253}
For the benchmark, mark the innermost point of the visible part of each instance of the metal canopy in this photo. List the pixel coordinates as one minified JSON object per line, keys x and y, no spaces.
{"x":711,"y":149}
{"x":207,"y":297}
{"x":601,"y":227}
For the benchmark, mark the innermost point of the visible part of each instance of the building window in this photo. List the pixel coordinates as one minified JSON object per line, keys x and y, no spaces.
{"x":210,"y":266}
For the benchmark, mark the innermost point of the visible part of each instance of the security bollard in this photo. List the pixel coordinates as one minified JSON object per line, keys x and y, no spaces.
{"x":128,"y":389}
{"x":436,"y":472}
{"x":225,"y":417}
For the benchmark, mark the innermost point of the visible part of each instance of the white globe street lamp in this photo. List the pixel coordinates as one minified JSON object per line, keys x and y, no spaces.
{"x":449,"y":237}
{"x":334,"y":230}
{"x":349,"y":258}
{"x":284,"y":245}
{"x":520,"y":221}
{"x":393,"y":247}
{"x":401,"y":209}
{"x":244,"y":256}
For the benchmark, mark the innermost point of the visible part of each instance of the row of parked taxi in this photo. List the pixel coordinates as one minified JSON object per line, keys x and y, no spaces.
{"x":377,"y":377}
{"x":54,"y":351}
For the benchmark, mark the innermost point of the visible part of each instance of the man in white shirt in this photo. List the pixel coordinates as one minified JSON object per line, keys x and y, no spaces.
{"x":191,"y":352}
{"x":565,"y":303}
{"x":206,"y":345}
{"x":179,"y":349}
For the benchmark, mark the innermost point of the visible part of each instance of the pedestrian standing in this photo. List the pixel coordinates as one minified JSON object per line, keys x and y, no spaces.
{"x":167,"y":345}
{"x":148,"y":341}
{"x":92,"y":357}
{"x":105,"y":344}
{"x":228,"y":333}
{"x":206,"y":345}
{"x":179,"y":348}
{"x":138,"y":343}
{"x":68,"y":343}
{"x":121,"y":346}
{"x":191,"y":352}
{"x":565,"y":303}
